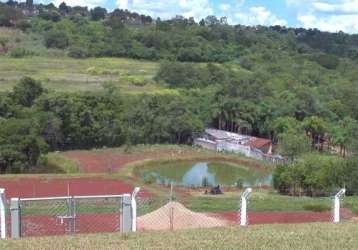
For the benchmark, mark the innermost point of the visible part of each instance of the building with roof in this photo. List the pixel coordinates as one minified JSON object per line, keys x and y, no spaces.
{"x":250,"y":146}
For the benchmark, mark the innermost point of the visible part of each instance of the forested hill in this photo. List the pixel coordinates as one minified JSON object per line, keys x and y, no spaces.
{"x":281,"y":83}
{"x":93,"y":33}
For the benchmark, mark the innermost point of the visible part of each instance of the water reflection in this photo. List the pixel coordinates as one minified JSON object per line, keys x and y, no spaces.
{"x":198,"y":176}
{"x":204,"y":174}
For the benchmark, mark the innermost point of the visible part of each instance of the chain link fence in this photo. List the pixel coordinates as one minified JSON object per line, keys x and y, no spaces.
{"x":71,"y":215}
{"x":173,"y":208}
{"x":174,"y":211}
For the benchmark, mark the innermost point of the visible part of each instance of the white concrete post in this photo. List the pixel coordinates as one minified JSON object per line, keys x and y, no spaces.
{"x":134,"y":208}
{"x":243,"y":208}
{"x":337,"y":205}
{"x":2,"y":213}
{"x":15,"y":210}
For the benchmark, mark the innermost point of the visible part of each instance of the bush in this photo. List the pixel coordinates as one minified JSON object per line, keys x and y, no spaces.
{"x":312,"y":175}
{"x":20,"y":53}
{"x":77,"y":52}
{"x":325,"y":60}
{"x":24,"y":25}
{"x":53,"y":16}
{"x":135,"y":80}
{"x":316,"y":207}
{"x":56,"y":39}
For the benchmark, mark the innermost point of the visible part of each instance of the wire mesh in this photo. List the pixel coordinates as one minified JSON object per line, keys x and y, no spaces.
{"x":46,"y":217}
{"x":98,"y":215}
{"x":172,"y":212}
{"x":70,"y":215}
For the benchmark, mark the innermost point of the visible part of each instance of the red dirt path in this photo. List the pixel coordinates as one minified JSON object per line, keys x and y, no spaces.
{"x":110,"y":161}
{"x":28,"y":187}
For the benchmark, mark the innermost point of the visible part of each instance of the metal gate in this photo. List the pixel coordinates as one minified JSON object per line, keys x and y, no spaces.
{"x":71,"y":215}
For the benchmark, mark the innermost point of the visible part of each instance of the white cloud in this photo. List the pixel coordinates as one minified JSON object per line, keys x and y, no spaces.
{"x":327,"y":15}
{"x":224,"y":7}
{"x":259,"y":15}
{"x":169,"y":8}
{"x":332,"y":23}
{"x":342,"y":6}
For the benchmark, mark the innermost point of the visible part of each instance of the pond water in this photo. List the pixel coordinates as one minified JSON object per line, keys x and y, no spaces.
{"x":203,"y":174}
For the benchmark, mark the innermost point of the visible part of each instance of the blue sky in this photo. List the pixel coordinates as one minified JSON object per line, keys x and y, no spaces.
{"x":329,"y":15}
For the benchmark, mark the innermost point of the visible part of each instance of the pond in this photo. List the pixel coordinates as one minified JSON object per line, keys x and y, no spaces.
{"x":204,"y":174}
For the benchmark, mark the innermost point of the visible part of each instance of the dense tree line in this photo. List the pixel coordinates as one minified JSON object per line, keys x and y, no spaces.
{"x":34,"y":121}
{"x":317,"y":175}
{"x":96,"y":33}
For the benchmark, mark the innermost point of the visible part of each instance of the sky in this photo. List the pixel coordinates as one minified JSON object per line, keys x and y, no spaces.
{"x":327,"y":15}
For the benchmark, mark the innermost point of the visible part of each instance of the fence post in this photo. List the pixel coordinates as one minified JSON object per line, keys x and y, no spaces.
{"x":126,"y":214}
{"x":337,"y":205}
{"x":134,"y":209}
{"x":243,"y":208}
{"x":2,"y":213}
{"x":15,"y":218}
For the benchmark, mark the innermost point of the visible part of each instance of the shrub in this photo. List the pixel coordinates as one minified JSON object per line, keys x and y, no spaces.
{"x":316,"y":207}
{"x":20,"y":53}
{"x":312,"y":175}
{"x":77,"y":52}
{"x":56,"y":39}
{"x":135,"y":80}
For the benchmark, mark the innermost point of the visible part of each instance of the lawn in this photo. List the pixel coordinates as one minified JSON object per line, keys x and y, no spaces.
{"x":304,"y":236}
{"x":261,"y":200}
{"x":67,"y":74}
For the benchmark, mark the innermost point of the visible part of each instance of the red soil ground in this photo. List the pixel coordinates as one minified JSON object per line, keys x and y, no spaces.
{"x":282,"y":217}
{"x":107,"y":161}
{"x":85,"y":223}
{"x":28,"y":187}
{"x":106,"y":223}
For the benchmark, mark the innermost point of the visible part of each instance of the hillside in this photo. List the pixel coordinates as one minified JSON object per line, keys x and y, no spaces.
{"x":305,"y":236}
{"x":71,"y":75}
{"x":105,"y":79}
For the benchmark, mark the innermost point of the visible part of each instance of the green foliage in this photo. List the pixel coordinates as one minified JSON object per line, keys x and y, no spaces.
{"x":56,"y":39}
{"x":317,"y":207}
{"x":312,"y":175}
{"x":21,"y":145}
{"x":53,"y":16}
{"x":293,"y":144}
{"x":98,"y":13}
{"x":76,"y":52}
{"x":325,"y":60}
{"x":26,"y":91}
{"x":20,"y":53}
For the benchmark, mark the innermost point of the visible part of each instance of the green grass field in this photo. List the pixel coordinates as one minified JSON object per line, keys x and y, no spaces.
{"x":265,"y":237}
{"x":67,"y":74}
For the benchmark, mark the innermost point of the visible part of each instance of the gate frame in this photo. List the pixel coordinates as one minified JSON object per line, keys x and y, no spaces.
{"x":126,"y":208}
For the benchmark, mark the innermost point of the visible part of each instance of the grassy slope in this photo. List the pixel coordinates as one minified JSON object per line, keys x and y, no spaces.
{"x":305,"y":236}
{"x":67,"y":74}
